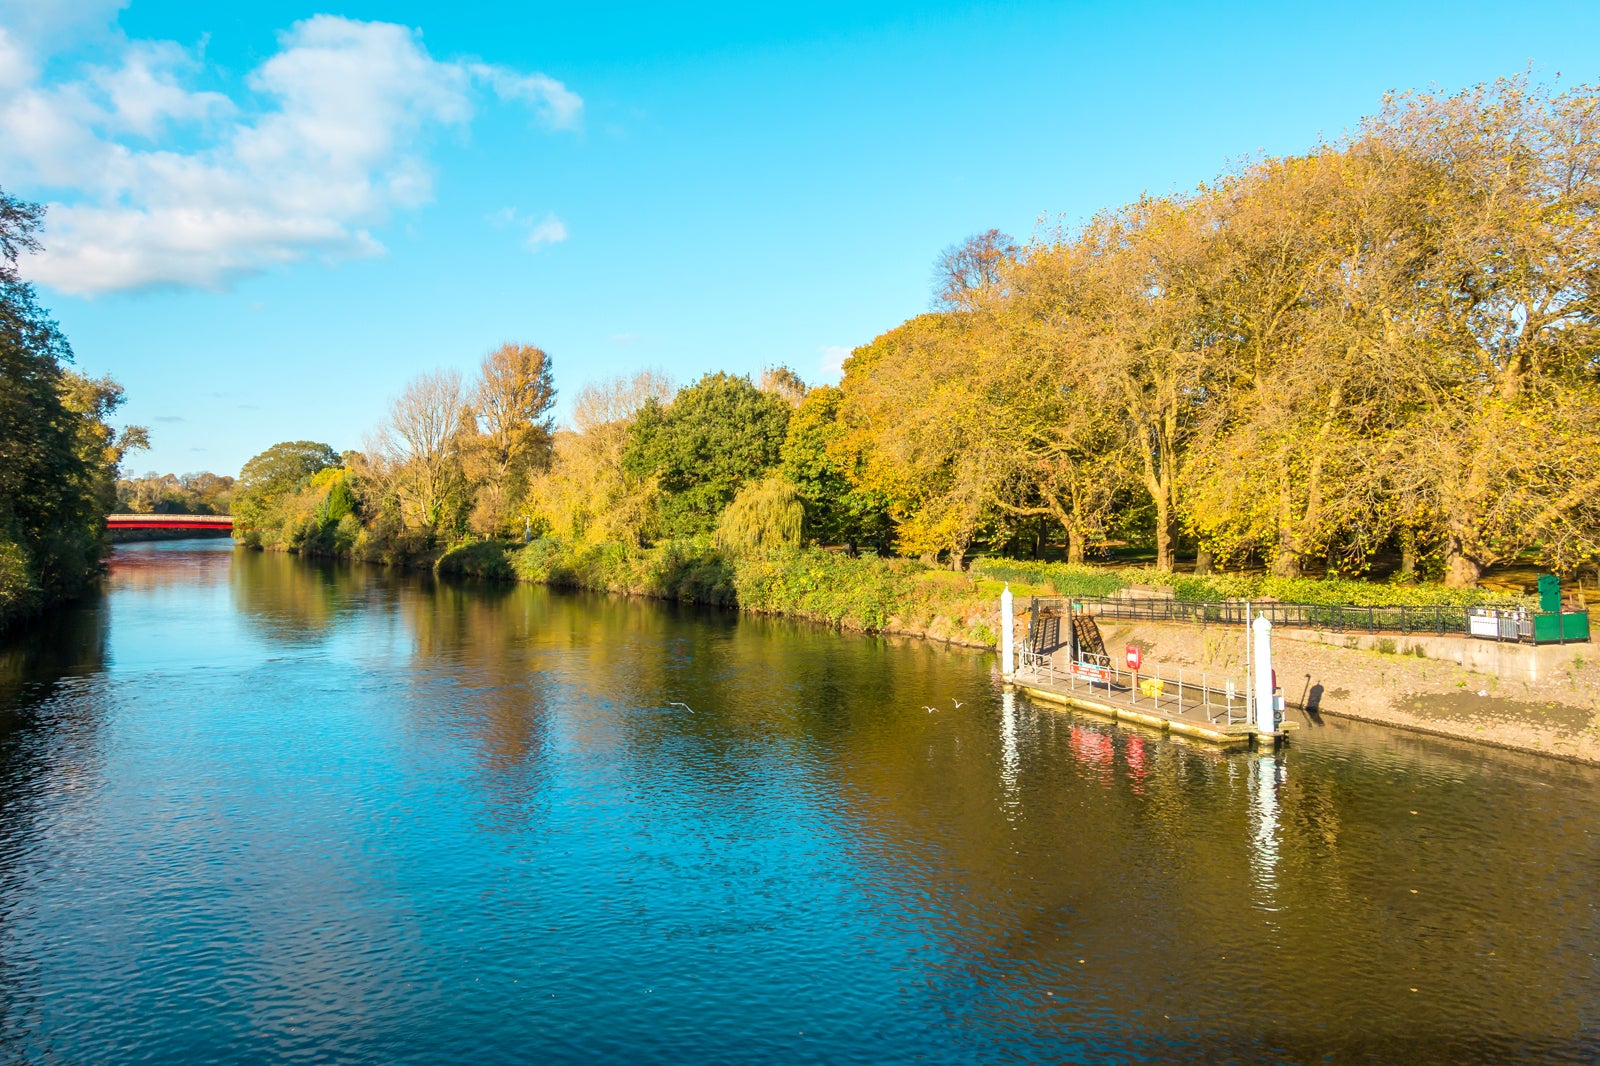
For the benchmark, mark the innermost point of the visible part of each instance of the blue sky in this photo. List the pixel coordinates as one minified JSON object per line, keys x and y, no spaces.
{"x":266,"y":217}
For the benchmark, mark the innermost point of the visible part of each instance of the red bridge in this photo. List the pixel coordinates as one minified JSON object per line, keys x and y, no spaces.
{"x":200,"y":522}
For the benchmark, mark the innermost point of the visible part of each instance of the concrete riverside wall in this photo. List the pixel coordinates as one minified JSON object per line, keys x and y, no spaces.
{"x":1514,"y":662}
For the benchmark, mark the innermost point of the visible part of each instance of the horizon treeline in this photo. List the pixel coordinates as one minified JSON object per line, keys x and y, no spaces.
{"x":194,"y":493}
{"x":1387,"y":344}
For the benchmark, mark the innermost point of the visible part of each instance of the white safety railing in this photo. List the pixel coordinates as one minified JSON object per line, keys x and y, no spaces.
{"x":1190,"y":693}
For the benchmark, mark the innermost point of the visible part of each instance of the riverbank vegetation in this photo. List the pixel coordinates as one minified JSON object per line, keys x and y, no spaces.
{"x":58,"y":452}
{"x":1272,"y":386}
{"x":202,"y":493}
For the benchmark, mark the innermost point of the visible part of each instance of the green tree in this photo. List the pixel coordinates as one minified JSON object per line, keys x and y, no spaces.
{"x":716,"y":436}
{"x":767,"y":516}
{"x":271,"y":477}
{"x":58,"y":454}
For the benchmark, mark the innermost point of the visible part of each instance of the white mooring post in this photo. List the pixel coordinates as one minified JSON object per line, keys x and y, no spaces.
{"x":1008,"y":626}
{"x":1265,"y":706}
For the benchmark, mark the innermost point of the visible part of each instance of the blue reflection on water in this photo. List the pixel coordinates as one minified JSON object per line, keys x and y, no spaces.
{"x":269,"y":810}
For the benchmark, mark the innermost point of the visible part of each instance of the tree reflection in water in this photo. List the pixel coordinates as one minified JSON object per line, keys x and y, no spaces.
{"x":466,"y":813}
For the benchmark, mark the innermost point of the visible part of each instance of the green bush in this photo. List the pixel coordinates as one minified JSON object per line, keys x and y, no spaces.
{"x":1066,"y":578}
{"x":862,"y":593}
{"x":482,"y":558}
{"x":18,"y":593}
{"x":865,"y":593}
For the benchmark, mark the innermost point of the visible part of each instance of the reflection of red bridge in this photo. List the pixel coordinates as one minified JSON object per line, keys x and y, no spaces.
{"x":221,"y":523}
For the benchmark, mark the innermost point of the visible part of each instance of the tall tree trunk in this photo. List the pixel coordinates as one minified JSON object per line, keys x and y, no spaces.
{"x":1204,"y":561}
{"x":1287,"y":562}
{"x":1075,"y":540}
{"x":1460,"y":570}
{"x":1166,"y":538}
{"x":1038,"y":540}
{"x":1159,"y":477}
{"x":1408,"y":552}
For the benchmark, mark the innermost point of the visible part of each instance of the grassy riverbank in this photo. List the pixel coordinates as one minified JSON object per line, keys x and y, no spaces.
{"x":864,"y":593}
{"x":872,"y":594}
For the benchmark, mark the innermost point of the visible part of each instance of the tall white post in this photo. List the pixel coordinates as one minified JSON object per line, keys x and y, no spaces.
{"x":1008,"y":627}
{"x":1266,"y":706}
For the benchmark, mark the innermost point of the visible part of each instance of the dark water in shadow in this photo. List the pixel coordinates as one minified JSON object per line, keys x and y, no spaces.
{"x":259,"y":810}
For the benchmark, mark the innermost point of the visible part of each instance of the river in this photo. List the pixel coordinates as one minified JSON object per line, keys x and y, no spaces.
{"x":257,"y":809}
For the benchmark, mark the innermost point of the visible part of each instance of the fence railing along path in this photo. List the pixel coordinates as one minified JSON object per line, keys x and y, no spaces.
{"x":1438,"y":621}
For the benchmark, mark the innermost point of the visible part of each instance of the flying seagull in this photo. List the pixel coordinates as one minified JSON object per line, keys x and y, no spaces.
{"x":930,"y":710}
{"x":685,"y":706}
{"x":957,"y":702}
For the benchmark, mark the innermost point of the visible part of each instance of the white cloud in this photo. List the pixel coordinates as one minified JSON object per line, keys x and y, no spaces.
{"x":548,"y":230}
{"x":16,"y":68}
{"x":832,"y":362}
{"x":156,"y":183}
{"x":543,"y":231}
{"x":46,"y":23}
{"x":558,"y":106}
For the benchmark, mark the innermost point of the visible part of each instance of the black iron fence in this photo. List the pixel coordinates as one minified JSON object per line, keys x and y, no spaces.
{"x":1439,"y":621}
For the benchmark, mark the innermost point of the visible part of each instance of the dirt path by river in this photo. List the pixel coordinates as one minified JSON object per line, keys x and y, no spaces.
{"x":1558,"y":716}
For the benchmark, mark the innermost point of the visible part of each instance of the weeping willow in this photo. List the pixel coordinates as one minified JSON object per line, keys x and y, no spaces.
{"x":766,"y":516}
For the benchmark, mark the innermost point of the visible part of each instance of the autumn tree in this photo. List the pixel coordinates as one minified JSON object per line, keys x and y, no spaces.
{"x":1497,"y":354}
{"x":1064,"y":449}
{"x":1120,"y":300}
{"x":417,"y":453}
{"x":587,"y":496}
{"x":973,"y":270}
{"x":1308,"y":258}
{"x":913,"y":418}
{"x":819,"y":459}
{"x":783,"y":383}
{"x":508,"y":437}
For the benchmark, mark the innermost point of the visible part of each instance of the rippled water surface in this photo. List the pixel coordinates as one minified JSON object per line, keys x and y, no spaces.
{"x":254,"y":809}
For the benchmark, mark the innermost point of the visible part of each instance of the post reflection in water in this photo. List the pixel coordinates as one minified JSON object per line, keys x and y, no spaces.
{"x":1266,"y":776}
{"x":256,"y":809}
{"x":1008,"y":743}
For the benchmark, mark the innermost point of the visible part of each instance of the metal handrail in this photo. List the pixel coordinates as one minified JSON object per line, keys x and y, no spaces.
{"x":1437,"y":620}
{"x":1217,"y":698}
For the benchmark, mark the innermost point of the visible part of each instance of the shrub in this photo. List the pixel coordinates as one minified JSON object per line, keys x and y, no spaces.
{"x":483,"y":558}
{"x":18,"y":593}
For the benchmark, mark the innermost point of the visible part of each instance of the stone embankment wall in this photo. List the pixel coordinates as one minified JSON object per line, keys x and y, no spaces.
{"x":1541,"y":700}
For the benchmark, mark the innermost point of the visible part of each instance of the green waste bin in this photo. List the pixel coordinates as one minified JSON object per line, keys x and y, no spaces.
{"x":1565,"y":628}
